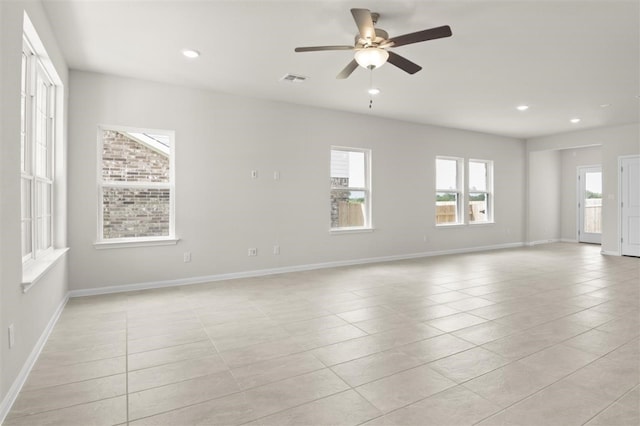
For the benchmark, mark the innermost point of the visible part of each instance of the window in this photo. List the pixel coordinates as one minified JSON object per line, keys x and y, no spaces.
{"x":37,"y":134}
{"x":350,"y":192}
{"x":480,"y":191}
{"x":136,"y":186}
{"x":449,"y":196}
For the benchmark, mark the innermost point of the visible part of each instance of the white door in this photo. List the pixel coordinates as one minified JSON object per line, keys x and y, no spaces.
{"x":590,"y":204}
{"x":630,"y":205}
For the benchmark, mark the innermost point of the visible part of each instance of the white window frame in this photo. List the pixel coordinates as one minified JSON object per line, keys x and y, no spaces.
{"x":368,"y":226}
{"x":101,"y":242}
{"x":488,"y":193}
{"x":459,"y":191}
{"x":52,"y":210}
{"x":40,"y":208}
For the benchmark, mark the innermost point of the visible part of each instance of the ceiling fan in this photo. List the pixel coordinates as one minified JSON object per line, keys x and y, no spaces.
{"x":372,"y":44}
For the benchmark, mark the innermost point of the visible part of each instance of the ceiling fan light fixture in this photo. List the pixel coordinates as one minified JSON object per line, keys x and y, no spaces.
{"x":371,"y":57}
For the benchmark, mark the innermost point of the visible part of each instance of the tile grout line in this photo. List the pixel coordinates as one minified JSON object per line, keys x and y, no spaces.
{"x":607,"y":407}
{"x":244,"y":390}
{"x":379,"y":378}
{"x":488,"y":372}
{"x":310,"y":401}
{"x":51,"y":410}
{"x":554,"y":382}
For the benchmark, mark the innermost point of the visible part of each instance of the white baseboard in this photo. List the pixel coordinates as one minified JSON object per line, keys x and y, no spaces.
{"x":610,"y":253}
{"x":15,"y":388}
{"x":263,"y":272}
{"x":535,"y":243}
{"x":568,"y":240}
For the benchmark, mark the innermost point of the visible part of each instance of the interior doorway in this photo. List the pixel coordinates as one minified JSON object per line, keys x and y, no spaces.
{"x":590,"y":204}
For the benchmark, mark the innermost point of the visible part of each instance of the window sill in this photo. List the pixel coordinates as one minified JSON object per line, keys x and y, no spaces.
{"x":38,"y":268}
{"x":450,"y":225}
{"x":339,"y":231}
{"x":103,"y":245}
{"x":461,"y":225}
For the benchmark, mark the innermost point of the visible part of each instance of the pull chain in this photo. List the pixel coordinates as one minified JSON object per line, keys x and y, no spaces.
{"x":370,"y":87}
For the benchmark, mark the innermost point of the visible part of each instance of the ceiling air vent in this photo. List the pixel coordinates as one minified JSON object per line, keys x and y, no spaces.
{"x":292,"y":78}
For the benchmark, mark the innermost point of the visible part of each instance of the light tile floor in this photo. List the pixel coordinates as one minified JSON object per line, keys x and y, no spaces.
{"x":547,"y":335}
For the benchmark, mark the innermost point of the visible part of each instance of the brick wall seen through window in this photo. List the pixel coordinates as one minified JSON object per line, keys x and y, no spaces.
{"x":136,"y":191}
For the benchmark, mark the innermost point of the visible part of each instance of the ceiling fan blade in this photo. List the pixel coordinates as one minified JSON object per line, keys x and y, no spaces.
{"x":403,"y":63}
{"x":364,"y":23}
{"x":321,"y":48}
{"x":346,"y":72}
{"x":430,"y":34}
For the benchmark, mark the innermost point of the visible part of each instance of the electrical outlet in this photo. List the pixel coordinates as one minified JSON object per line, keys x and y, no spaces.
{"x":253,"y":252}
{"x":276,"y":249}
{"x":12,"y":336}
{"x":187,"y":256}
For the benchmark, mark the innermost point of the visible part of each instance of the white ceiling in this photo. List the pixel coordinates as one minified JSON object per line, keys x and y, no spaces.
{"x":563,"y":58}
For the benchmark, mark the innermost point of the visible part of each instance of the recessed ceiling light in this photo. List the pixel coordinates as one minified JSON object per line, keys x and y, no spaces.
{"x":522,"y":107}
{"x":575,"y":120}
{"x":605,"y":105}
{"x":374,"y":91}
{"x":190,"y":53}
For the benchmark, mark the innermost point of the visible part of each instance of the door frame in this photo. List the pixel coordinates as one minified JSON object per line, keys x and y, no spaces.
{"x":619,"y":201}
{"x":580,"y":201}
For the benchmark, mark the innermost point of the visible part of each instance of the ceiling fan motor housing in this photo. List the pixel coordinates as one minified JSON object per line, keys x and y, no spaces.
{"x":381,"y":35}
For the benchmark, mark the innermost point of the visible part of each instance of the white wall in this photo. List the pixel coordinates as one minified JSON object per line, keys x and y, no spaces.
{"x":614,"y":141}
{"x":31,"y":312}
{"x":221,"y":212}
{"x":571,"y":160}
{"x":543,"y":201}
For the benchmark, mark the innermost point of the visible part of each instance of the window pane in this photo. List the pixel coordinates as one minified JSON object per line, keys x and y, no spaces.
{"x":26,"y":237}
{"x":41,"y":137}
{"x":46,"y":232}
{"x":131,"y":213}
{"x":593,"y":203}
{"x":40,"y":198}
{"x":25,"y":198}
{"x":478,"y":211}
{"x":46,"y":198}
{"x":477,"y":176}
{"x":23,"y":153}
{"x":347,"y":169}
{"x":125,"y":159}
{"x":40,"y":225}
{"x":23,"y":134}
{"x":446,"y":207}
{"x":347,"y":208}
{"x":41,"y":160}
{"x":446,"y":174}
{"x":49,"y":161}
